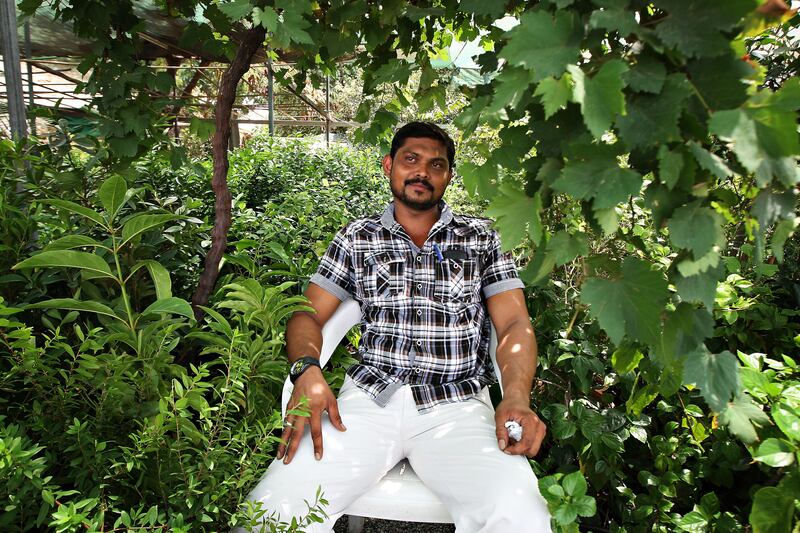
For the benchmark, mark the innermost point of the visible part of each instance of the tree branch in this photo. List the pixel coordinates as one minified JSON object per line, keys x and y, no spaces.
{"x":252,"y":41}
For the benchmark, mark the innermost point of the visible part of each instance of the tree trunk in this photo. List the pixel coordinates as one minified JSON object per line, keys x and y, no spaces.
{"x":252,"y":41}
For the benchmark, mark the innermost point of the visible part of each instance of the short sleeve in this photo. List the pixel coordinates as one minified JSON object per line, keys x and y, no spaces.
{"x":499,"y":273}
{"x":335,"y":271}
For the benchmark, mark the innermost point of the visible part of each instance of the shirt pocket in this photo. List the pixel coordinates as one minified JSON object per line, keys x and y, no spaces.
{"x":456,"y":280}
{"x":383,"y":274}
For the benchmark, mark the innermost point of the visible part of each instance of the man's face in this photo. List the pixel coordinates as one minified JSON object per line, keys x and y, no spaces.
{"x":419,"y":172}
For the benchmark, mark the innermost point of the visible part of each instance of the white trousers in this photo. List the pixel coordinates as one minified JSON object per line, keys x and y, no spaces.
{"x":452,"y":448}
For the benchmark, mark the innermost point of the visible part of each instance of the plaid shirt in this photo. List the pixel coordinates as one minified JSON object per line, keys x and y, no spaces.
{"x":425,"y":321}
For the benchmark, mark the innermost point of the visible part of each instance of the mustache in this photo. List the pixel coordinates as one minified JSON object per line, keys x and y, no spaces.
{"x":424,"y":183}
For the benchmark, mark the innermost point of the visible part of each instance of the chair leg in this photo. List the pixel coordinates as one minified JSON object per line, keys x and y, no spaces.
{"x":355,"y":524}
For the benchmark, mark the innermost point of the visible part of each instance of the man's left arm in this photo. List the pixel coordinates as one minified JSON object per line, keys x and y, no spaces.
{"x":516,"y":357}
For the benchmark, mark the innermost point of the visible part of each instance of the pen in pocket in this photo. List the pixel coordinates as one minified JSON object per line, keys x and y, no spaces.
{"x":439,"y":256}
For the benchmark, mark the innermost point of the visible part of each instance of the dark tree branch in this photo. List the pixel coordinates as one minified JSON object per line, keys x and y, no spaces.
{"x":252,"y":41}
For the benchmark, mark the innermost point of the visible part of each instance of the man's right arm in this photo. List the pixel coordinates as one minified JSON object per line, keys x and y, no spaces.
{"x":304,"y":338}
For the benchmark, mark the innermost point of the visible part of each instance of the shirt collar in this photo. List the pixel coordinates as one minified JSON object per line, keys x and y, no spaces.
{"x":445,"y":217}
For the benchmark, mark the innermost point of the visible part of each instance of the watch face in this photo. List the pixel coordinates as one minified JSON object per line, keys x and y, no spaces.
{"x":297,"y":366}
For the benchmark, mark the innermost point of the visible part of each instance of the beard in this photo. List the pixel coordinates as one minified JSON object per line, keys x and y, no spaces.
{"x":414,"y":202}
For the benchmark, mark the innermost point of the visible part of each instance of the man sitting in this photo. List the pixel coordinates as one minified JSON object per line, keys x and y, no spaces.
{"x":425,"y":279}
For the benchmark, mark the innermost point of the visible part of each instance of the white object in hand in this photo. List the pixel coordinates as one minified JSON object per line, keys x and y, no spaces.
{"x":514,"y":430}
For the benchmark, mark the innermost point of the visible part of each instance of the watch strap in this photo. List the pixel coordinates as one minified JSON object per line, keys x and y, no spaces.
{"x":304,"y":363}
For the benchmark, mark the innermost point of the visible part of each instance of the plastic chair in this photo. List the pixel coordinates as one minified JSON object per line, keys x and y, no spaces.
{"x":400,"y":494}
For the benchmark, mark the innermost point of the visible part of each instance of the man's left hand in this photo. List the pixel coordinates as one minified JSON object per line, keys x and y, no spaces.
{"x":533,"y":429}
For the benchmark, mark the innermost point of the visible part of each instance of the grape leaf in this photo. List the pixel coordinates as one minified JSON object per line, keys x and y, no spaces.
{"x":516,"y":214}
{"x":696,"y":228}
{"x":557,"y":39}
{"x":236,"y":10}
{"x":491,"y":10}
{"x":711,"y":162}
{"x":670,"y":164}
{"x":701,"y":287}
{"x":554,"y":93}
{"x":565,"y":247}
{"x":600,"y":96}
{"x":741,"y":416}
{"x":653,"y":119}
{"x":512,"y":85}
{"x":763,"y":133}
{"x":598,"y":176}
{"x":647,"y":75}
{"x":768,"y":208}
{"x":630,"y":303}
{"x":620,"y":20}
{"x":716,"y":375}
{"x":719,"y":80}
{"x":695,"y":26}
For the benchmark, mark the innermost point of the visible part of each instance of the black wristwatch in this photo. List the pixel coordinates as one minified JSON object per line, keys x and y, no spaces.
{"x":301,"y":365}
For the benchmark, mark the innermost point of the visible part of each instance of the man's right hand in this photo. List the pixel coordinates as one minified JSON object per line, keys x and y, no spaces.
{"x":311,"y":385}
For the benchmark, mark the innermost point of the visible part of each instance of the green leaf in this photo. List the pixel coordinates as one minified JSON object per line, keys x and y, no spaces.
{"x":554,"y":93}
{"x":516,"y":215}
{"x":160,"y":277}
{"x":512,"y":85}
{"x":112,"y":195}
{"x":783,"y":231}
{"x":557,"y":38}
{"x":294,"y":24}
{"x":565,"y":247}
{"x":621,"y":21}
{"x":716,"y":375}
{"x":653,"y":119}
{"x":565,"y":514}
{"x":691,"y":267}
{"x":768,"y":208}
{"x":574,"y":484}
{"x":775,"y":453}
{"x":630,"y":303}
{"x":641,"y":399}
{"x":788,"y":419}
{"x":598,"y":176}
{"x":670,"y":164}
{"x":203,"y":128}
{"x":69,"y":242}
{"x":695,"y":228}
{"x":647,"y":75}
{"x":701,"y":287}
{"x":236,"y":10}
{"x":490,"y":10}
{"x":72,"y":207}
{"x":720,"y":80}
{"x":600,"y":96}
{"x":172,"y":305}
{"x":741,"y":416}
{"x":695,"y":27}
{"x":585,"y":505}
{"x":711,"y":162}
{"x":75,"y":305}
{"x":625,"y":359}
{"x":68,"y":259}
{"x":772,"y":511}
{"x":266,"y":17}
{"x":141,"y":223}
{"x":763,"y":133}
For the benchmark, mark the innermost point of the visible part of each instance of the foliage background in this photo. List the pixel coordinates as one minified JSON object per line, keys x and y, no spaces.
{"x":641,"y":160}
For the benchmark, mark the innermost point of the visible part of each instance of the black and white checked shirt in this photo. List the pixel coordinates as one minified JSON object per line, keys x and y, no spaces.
{"x":424,"y":315}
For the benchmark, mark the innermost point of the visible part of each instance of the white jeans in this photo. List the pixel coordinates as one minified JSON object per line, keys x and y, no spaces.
{"x":452,"y":448}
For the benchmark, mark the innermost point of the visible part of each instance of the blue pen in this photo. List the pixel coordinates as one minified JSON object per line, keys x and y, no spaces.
{"x":439,"y":255}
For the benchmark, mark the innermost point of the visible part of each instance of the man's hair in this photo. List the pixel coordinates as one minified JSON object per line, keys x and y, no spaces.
{"x":426,"y":130}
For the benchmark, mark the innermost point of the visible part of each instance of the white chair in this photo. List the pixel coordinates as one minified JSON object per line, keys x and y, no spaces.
{"x":400,"y":495}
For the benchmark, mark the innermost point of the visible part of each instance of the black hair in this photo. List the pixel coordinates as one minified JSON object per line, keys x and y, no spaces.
{"x":426,"y":130}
